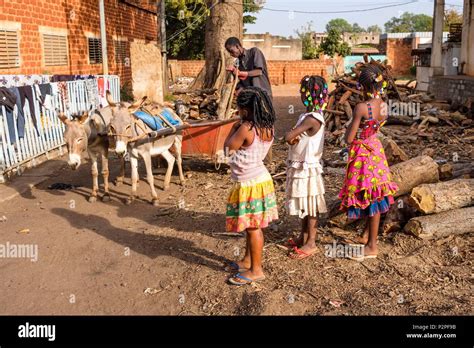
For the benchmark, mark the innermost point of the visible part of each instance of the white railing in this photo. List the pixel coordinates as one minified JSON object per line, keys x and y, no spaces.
{"x":15,"y":154}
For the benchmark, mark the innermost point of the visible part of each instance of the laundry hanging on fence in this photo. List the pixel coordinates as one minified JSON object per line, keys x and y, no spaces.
{"x":43,"y":94}
{"x":103,"y":86}
{"x":10,"y":118}
{"x":26,"y":93}
{"x":7,"y":98}
{"x":63,"y":93}
{"x":22,"y":80}
{"x":91,"y":89}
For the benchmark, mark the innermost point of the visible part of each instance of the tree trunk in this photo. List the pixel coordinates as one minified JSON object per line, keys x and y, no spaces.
{"x":440,"y":225}
{"x":225,"y":20}
{"x":414,"y":172}
{"x":443,"y":196}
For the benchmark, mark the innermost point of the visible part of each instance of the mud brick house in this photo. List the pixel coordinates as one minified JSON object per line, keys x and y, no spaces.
{"x":63,"y":37}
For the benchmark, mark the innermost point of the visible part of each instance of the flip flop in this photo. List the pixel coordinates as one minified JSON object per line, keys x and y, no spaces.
{"x":301,"y":254}
{"x":246,"y":280}
{"x":234,"y":267}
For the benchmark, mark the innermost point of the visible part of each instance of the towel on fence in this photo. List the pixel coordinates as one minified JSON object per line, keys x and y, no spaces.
{"x":92,"y":92}
{"x":103,"y":86}
{"x":155,"y":122}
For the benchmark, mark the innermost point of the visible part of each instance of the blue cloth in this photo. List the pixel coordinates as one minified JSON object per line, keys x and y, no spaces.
{"x":154,"y":122}
{"x":374,"y":208}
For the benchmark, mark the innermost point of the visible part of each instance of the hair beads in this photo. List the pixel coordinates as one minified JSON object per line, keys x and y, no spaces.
{"x":372,"y":82}
{"x":318,"y":96}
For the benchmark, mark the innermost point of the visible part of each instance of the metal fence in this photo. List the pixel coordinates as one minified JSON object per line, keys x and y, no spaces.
{"x":47,"y":135}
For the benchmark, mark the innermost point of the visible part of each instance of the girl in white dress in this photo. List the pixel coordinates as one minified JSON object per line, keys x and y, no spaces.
{"x":304,"y":183}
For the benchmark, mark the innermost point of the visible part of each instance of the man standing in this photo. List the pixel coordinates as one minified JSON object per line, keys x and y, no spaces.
{"x":252,"y":67}
{"x":252,"y":71}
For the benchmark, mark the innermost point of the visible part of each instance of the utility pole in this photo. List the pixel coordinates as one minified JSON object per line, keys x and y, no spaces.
{"x":103,"y":38}
{"x":161,"y":14}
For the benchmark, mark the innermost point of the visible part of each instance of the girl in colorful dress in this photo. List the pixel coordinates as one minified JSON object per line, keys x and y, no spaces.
{"x":252,"y":202}
{"x":304,"y":182}
{"x":368,"y":188}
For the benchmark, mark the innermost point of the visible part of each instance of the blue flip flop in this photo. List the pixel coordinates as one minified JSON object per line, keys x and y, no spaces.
{"x":247,"y":280}
{"x":234,"y":267}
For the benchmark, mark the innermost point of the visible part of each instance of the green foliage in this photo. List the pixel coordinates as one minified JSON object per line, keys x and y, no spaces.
{"x":409,"y":22}
{"x":374,"y":29}
{"x":356,"y":28}
{"x":333,"y":44}
{"x":451,"y":16}
{"x":186,"y":23}
{"x":413,"y":70}
{"x":305,"y":34}
{"x":339,"y":24}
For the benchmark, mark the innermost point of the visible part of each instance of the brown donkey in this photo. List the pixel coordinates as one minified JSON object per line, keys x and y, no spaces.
{"x":89,"y":132}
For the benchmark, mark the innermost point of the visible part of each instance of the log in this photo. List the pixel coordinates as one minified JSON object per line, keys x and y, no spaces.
{"x":454,"y":170}
{"x":414,"y":172}
{"x":443,"y":196}
{"x":441,"y":225}
{"x":398,"y":215}
{"x":393,"y":152}
{"x":401,"y":120}
{"x":345,"y":96}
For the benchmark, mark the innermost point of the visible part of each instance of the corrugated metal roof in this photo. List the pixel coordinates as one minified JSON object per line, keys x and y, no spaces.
{"x":425,"y":34}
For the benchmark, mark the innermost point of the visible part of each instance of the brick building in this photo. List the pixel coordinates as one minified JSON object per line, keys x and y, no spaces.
{"x":398,"y":48}
{"x":63,"y":37}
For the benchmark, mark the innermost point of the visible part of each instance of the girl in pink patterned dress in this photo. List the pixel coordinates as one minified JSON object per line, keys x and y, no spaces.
{"x":368,"y":188}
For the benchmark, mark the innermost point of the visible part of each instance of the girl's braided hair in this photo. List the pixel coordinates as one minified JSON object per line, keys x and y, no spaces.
{"x":257,"y":101}
{"x":314,"y":92}
{"x":371,"y":78}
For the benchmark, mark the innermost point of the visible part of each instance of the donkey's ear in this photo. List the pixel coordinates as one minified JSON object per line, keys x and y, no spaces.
{"x":83,"y":118}
{"x":137,"y":104}
{"x":108,"y":97}
{"x":63,"y":117}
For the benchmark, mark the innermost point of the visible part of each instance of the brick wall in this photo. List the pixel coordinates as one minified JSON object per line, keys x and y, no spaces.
{"x":280,"y":71}
{"x":79,"y":18}
{"x":190,"y":68}
{"x":398,"y":53}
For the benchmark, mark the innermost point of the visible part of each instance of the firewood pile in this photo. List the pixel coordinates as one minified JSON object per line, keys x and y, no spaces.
{"x":197,"y":104}
{"x":421,"y":111}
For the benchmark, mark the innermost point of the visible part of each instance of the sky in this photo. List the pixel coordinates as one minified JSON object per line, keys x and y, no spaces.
{"x":285,"y":23}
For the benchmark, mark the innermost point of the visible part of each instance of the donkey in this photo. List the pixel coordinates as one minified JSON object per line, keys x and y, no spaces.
{"x":89,"y":132}
{"x":130,"y":135}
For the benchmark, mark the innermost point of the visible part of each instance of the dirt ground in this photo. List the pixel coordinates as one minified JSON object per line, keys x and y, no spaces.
{"x":109,"y":258}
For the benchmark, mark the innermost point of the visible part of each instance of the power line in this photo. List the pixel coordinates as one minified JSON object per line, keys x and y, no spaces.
{"x":341,"y":11}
